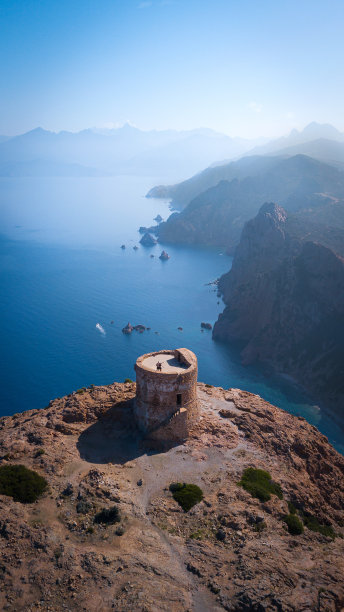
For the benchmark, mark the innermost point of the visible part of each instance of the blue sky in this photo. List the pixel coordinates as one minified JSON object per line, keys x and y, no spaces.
{"x":244,"y":67}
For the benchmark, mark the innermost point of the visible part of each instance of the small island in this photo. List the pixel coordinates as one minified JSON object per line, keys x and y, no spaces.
{"x":148,"y":240}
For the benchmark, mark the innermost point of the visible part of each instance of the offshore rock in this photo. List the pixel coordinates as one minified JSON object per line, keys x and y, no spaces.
{"x":148,"y":240}
{"x":206,"y":325}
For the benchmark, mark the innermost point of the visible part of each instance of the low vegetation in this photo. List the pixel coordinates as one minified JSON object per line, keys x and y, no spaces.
{"x":309,"y":521}
{"x":186,"y":495}
{"x":295,"y":526}
{"x":108,"y":516}
{"x":128,"y":380}
{"x":20,"y":483}
{"x":313,"y":524}
{"x":259,"y":484}
{"x":197,"y":535}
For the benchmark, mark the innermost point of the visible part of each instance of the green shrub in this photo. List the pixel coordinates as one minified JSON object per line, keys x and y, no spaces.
{"x":295,"y":526}
{"x":40,"y":452}
{"x":197,"y":535}
{"x":259,"y":484}
{"x":83,"y":507}
{"x":22,"y":484}
{"x":291,"y":507}
{"x":187,"y":495}
{"x":259,"y":527}
{"x":175,"y":486}
{"x":108,"y":516}
{"x":313,"y":524}
{"x":80,"y":391}
{"x":128,"y":380}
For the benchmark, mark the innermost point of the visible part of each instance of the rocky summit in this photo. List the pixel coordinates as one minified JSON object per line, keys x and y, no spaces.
{"x":108,"y":534}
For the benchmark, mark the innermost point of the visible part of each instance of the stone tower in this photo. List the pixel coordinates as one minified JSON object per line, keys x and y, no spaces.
{"x":166,"y":394}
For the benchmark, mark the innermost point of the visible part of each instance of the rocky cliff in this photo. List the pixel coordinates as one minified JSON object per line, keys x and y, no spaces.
{"x":217,"y":214}
{"x":285,"y":298}
{"x":229,"y":552}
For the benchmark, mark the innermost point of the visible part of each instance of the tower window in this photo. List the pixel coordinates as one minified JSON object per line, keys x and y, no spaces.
{"x":179,"y":399}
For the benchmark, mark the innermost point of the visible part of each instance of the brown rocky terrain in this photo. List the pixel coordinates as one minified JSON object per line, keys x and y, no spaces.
{"x":53,"y":556}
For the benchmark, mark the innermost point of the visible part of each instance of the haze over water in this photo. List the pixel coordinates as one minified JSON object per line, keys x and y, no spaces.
{"x":63,"y":272}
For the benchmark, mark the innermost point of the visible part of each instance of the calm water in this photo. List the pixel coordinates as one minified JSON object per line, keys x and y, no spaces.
{"x":62,"y":271}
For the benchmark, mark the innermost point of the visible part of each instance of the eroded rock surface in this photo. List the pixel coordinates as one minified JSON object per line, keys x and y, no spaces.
{"x":284,"y":298}
{"x":229,"y":552}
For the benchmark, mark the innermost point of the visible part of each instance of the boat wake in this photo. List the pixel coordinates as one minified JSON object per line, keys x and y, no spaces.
{"x":101,"y":329}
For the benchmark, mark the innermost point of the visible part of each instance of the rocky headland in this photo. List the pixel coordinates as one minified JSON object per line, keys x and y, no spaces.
{"x":219,"y":201}
{"x":285,"y":297}
{"x":229,"y":552}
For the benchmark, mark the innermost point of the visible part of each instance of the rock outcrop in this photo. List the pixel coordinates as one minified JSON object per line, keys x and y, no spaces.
{"x":148,"y":240}
{"x":229,"y":552}
{"x":127,"y":329}
{"x":285,"y":301}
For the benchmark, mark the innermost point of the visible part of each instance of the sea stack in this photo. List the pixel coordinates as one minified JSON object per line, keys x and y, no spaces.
{"x":127,"y":329}
{"x":148,"y":240}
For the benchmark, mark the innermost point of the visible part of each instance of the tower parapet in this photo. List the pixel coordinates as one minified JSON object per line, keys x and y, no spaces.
{"x":166,"y":394}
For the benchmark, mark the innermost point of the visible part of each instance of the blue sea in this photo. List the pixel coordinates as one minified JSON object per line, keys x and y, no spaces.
{"x":68,"y":289}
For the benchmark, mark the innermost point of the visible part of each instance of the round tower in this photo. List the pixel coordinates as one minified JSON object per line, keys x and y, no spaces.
{"x":166,"y":394}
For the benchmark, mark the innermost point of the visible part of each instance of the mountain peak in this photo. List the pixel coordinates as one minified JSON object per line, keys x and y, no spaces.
{"x":320,"y":130}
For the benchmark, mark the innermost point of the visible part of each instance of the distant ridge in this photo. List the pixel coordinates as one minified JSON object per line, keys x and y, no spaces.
{"x":123,"y":150}
{"x":312,"y":131}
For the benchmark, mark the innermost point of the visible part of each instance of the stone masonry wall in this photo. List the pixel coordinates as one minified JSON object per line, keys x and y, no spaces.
{"x":156,"y":394}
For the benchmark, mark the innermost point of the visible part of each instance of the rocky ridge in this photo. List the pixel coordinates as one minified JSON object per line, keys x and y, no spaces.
{"x":219,"y":201}
{"x":53,"y":556}
{"x":285,"y":299}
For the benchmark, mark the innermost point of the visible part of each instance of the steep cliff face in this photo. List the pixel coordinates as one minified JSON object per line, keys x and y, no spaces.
{"x":285,"y":303}
{"x":217,"y":215}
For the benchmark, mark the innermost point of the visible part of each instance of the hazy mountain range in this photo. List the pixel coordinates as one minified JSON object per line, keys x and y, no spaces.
{"x":322,"y":142}
{"x":127,"y":149}
{"x":169,"y":153}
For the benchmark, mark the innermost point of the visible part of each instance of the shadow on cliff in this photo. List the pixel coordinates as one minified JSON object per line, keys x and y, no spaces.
{"x":114,"y":438}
